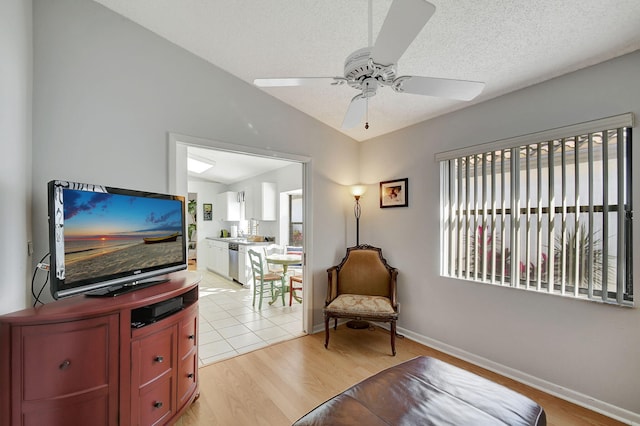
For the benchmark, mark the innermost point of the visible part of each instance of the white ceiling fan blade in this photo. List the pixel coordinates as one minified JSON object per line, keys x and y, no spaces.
{"x":297,"y":81}
{"x":355,"y":112}
{"x":405,"y":20}
{"x":439,"y":87}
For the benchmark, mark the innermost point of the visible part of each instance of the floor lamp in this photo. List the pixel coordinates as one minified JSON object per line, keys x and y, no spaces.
{"x":357,"y":191}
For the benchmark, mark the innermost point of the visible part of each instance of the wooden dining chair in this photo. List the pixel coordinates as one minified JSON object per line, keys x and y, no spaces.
{"x":292,"y":288}
{"x":273,"y":249}
{"x":261,"y":278}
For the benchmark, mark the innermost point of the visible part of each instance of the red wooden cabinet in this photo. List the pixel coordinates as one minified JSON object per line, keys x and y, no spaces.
{"x":159,"y":376}
{"x":79,"y":361}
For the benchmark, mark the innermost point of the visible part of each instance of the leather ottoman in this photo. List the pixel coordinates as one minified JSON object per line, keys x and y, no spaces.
{"x":426,"y":391}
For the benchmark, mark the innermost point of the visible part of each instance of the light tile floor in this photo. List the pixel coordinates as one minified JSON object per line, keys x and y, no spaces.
{"x":230,"y":325}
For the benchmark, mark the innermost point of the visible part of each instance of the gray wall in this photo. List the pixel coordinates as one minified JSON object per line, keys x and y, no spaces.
{"x":15,"y":142}
{"x":107,"y":92}
{"x":206,"y":194}
{"x":585,"y":347}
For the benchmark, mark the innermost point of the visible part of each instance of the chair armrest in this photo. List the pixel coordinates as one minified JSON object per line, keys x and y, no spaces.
{"x":332,"y":291}
{"x":394,"y":288}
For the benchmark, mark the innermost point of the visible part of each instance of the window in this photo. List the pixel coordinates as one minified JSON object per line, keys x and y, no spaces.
{"x":295,"y":220}
{"x":548,"y":212}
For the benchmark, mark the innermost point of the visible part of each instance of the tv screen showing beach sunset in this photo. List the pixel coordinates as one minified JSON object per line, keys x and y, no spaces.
{"x":112,"y":234}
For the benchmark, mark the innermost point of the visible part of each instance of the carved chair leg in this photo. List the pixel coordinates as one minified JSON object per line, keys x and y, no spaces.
{"x":326,"y":331}
{"x":393,"y":337}
{"x":335,"y":323}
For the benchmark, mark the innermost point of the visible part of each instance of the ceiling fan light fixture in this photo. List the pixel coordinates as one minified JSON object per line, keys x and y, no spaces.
{"x":369,"y":87}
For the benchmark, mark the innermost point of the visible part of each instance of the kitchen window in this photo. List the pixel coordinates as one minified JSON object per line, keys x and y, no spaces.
{"x":295,"y":220}
{"x":548,"y":212}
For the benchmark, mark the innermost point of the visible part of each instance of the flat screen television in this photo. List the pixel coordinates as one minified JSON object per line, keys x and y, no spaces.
{"x":105,"y":241}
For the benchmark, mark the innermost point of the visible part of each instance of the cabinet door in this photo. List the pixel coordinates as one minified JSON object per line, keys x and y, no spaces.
{"x":153,"y":364}
{"x":228,"y":206}
{"x":249,"y":203}
{"x":261,"y":201}
{"x":153,"y":356}
{"x":187,"y":377}
{"x":242,"y":261}
{"x":187,"y":355}
{"x":188,"y":333}
{"x":68,"y":367}
{"x":222,"y":258}
{"x":209,"y":255}
{"x":224,"y":261}
{"x":94,"y":412}
{"x":157,"y":402}
{"x":268,"y":201}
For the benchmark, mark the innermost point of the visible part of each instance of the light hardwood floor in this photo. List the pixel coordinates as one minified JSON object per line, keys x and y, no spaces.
{"x":278,"y":384}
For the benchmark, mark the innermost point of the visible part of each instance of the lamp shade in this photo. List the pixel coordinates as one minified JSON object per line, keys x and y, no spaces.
{"x":358,"y":190}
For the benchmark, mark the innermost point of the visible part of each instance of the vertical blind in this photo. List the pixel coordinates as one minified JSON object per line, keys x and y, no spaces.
{"x":547,"y":212}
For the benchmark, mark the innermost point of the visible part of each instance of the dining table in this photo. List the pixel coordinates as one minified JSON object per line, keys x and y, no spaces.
{"x":285,"y":260}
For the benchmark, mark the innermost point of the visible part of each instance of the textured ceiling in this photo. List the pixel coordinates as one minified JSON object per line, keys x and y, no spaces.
{"x":508,"y":44}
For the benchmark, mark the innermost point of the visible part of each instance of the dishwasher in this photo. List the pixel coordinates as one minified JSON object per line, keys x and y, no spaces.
{"x":233,"y":261}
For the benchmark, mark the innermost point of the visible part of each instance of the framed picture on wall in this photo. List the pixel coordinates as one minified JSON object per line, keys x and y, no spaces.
{"x":394,"y":193}
{"x":207,"y":211}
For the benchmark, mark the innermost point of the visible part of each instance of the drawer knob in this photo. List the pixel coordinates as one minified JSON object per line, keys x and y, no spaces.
{"x":159,"y":358}
{"x":191,"y":337}
{"x":190,"y":375}
{"x":158,"y":404}
{"x":65,"y":364}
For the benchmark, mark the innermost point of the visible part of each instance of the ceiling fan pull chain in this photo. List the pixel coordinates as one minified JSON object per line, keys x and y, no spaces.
{"x":366,"y":124}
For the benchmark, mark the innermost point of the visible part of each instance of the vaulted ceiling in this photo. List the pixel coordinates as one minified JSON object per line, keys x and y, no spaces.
{"x":508,"y":44}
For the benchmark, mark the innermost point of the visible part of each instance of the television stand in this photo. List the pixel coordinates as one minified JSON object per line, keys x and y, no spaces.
{"x":85,"y":360}
{"x":117,"y":290}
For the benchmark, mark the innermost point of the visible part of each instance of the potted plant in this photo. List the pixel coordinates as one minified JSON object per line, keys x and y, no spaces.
{"x":191,"y":229}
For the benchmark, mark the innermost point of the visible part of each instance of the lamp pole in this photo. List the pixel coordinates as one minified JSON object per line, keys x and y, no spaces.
{"x":357,"y":191}
{"x":356,"y":212}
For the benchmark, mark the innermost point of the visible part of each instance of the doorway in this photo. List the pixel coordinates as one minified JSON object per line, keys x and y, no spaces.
{"x":229,"y":296}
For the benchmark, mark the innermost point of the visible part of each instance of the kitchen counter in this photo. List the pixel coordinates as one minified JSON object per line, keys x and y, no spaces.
{"x":234,"y":264}
{"x":242,"y":241}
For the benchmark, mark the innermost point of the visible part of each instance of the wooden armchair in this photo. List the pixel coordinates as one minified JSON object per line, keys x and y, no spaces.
{"x":362,"y":287}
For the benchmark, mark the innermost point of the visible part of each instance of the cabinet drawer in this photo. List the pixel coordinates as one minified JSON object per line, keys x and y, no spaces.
{"x":64,"y":358}
{"x":94,"y":412}
{"x":188,"y":333}
{"x":156,"y":402}
{"x":155,"y":354}
{"x":187,"y":378}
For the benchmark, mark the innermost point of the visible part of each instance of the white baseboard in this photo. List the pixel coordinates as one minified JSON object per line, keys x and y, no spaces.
{"x":577,"y":398}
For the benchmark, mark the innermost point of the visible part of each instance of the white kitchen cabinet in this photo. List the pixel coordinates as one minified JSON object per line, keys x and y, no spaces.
{"x":261,"y":201}
{"x":243,"y":263}
{"x":216,"y":256}
{"x":221,"y":257}
{"x":208,"y":255}
{"x":228,"y":206}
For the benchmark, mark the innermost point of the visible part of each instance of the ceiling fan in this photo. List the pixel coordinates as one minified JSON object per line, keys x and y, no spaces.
{"x":371,"y":67}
